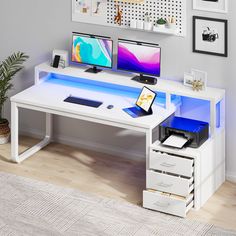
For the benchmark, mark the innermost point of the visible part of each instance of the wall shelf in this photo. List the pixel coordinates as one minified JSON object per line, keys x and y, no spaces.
{"x":104,"y":13}
{"x":166,"y":31}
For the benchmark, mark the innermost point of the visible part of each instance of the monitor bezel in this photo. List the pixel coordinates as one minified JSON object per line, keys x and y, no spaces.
{"x":138,"y":43}
{"x":95,"y":37}
{"x":151,"y":102}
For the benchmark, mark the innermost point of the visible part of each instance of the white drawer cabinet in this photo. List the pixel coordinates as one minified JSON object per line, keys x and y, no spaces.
{"x":170,"y":163}
{"x":168,"y":183}
{"x":180,"y":179}
{"x":167,"y":203}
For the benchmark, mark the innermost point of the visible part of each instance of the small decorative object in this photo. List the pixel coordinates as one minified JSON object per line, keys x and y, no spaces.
{"x":210,"y":36}
{"x":8,"y":69}
{"x":220,"y":6}
{"x":133,"y":24}
{"x":98,"y":8}
{"x":171,"y":23}
{"x":188,"y":79}
{"x":197,"y":85}
{"x":140,"y":24}
{"x":98,"y":3}
{"x":147,"y":21}
{"x":82,"y":6}
{"x":197,"y":79}
{"x":118,"y":17}
{"x":161,"y":23}
{"x":200,"y":76}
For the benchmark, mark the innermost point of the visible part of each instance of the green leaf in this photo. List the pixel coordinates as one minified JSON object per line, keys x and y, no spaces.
{"x":8,"y":69}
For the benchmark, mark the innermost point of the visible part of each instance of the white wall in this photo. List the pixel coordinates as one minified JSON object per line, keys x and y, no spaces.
{"x":37,"y":27}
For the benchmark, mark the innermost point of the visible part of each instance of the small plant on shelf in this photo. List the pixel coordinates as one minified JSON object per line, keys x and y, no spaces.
{"x":161,"y":23}
{"x":8,"y":69}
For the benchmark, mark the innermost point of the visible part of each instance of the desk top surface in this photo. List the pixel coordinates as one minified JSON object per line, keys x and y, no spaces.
{"x":51,"y":95}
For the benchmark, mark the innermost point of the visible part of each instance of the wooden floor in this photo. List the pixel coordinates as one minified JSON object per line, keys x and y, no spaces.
{"x":109,"y":176}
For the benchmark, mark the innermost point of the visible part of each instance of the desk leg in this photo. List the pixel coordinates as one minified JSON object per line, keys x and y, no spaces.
{"x":49,"y":126}
{"x":148,"y":144}
{"x":14,"y":132}
{"x":15,"y":137}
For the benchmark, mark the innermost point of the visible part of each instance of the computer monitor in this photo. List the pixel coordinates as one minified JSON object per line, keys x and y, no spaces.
{"x":139,"y":57}
{"x":92,"y":50}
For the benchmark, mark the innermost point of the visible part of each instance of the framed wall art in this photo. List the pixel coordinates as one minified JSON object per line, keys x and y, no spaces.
{"x":210,"y":36}
{"x":220,"y":6}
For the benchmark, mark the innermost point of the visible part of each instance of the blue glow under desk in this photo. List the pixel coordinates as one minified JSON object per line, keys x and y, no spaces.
{"x":48,"y":95}
{"x":52,"y":86}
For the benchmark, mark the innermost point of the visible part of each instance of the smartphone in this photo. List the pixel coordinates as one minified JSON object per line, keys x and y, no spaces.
{"x":56,"y":61}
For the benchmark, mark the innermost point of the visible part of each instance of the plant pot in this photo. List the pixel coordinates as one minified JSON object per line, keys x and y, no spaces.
{"x":171,"y":25}
{"x":4,"y":132}
{"x":140,"y":24}
{"x":133,"y":24}
{"x":148,"y":25}
{"x":161,"y":26}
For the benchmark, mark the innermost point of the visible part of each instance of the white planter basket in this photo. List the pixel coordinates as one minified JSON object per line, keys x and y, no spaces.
{"x":4,"y":139}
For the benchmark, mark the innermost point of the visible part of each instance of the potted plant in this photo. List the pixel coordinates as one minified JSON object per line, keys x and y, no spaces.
{"x":148,"y":21}
{"x":161,"y":23}
{"x":8,"y":69}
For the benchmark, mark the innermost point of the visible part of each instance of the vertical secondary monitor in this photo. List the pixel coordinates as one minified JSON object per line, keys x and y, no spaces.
{"x":92,"y":50}
{"x":141,"y":58}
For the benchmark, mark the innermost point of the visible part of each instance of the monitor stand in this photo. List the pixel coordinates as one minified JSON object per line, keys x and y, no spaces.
{"x":93,"y":70}
{"x":145,"y":79}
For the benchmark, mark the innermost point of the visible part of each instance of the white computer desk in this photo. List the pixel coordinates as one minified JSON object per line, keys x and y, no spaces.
{"x":48,"y":95}
{"x":205,"y":164}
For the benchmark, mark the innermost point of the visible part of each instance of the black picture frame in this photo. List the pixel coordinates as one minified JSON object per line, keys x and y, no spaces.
{"x":223,"y":21}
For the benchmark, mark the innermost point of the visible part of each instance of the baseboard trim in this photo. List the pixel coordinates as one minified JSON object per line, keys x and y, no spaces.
{"x":33,"y":133}
{"x":88,"y":145}
{"x":231,"y":176}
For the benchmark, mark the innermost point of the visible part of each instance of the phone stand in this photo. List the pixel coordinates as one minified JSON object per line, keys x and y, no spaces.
{"x":62,"y":64}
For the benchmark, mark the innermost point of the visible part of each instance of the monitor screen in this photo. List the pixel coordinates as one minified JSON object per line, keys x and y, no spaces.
{"x":143,"y":59}
{"x":146,"y":99}
{"x":92,"y":51}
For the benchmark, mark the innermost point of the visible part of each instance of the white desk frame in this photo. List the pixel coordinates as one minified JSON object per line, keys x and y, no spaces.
{"x":49,"y":132}
{"x":168,"y":87}
{"x":16,"y":104}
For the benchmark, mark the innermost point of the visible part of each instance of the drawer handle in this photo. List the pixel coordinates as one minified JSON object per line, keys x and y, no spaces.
{"x":164,"y":185}
{"x":167,"y":164}
{"x":161,"y":204}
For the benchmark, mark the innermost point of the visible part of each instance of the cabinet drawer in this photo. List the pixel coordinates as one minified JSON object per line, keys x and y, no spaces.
{"x":169,"y":184}
{"x":168,"y":204}
{"x":172,"y":164}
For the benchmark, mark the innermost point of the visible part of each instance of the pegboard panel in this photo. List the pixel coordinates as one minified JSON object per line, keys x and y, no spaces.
{"x":131,"y":11}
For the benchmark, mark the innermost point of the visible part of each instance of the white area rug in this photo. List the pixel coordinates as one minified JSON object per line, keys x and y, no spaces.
{"x":29,"y":207}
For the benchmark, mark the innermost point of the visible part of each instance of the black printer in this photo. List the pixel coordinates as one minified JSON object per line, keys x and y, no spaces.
{"x":196,"y":132}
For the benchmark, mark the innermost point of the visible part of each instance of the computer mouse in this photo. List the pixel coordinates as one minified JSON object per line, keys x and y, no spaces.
{"x":110,"y":107}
